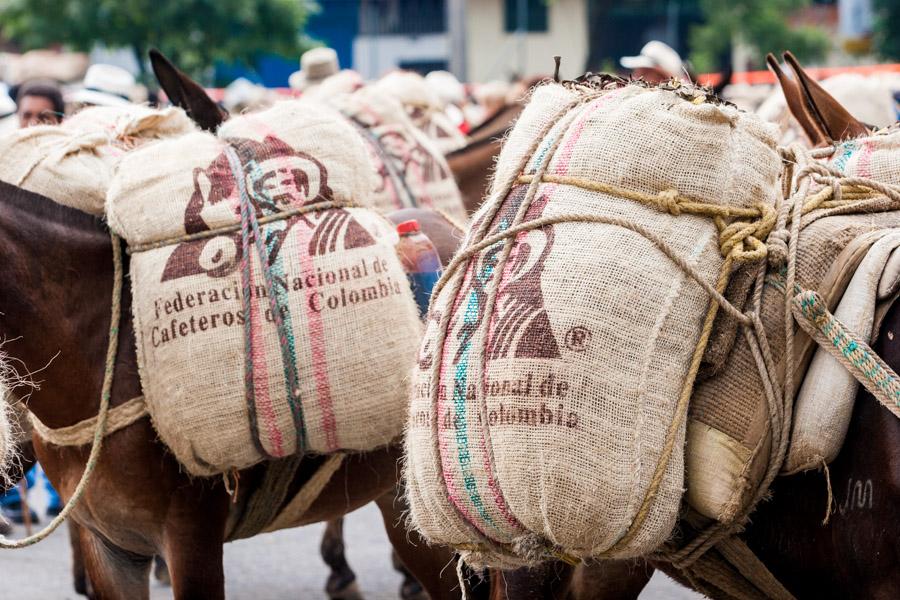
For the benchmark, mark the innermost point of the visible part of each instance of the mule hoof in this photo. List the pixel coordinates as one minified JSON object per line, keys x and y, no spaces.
{"x":412,"y":590}
{"x":343,"y":590}
{"x":80,"y":584}
{"x":161,"y":572}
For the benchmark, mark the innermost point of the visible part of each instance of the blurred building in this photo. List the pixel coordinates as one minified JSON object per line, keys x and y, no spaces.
{"x":503,"y":38}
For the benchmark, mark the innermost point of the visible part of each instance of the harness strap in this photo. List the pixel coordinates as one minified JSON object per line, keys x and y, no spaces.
{"x":81,"y":433}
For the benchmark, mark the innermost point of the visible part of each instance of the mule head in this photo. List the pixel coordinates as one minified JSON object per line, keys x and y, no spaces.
{"x":823,"y":119}
{"x":186,"y":93}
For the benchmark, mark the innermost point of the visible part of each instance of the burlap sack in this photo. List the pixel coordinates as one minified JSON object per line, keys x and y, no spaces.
{"x":73,"y":163}
{"x":729,"y":442}
{"x":424,"y":107}
{"x":351,"y":322}
{"x":410,"y":170}
{"x":547,"y":383}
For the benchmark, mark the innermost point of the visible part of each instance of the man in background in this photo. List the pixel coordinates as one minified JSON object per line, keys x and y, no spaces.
{"x":39,"y":103}
{"x":656,"y":63}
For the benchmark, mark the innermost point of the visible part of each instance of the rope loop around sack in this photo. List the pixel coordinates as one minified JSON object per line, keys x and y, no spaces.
{"x":105,"y":395}
{"x":235,"y":227}
{"x":81,"y":433}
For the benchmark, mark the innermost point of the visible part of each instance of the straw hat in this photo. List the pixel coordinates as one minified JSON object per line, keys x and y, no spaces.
{"x":105,"y":85}
{"x":315,"y":66}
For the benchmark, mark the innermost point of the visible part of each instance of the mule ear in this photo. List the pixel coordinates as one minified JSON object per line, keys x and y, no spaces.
{"x":830,"y":115}
{"x":186,"y":93}
{"x":797,"y":103}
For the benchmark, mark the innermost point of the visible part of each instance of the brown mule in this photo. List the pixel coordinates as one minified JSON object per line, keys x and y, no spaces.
{"x":821,"y":117}
{"x":55,"y":289}
{"x":473,"y":164}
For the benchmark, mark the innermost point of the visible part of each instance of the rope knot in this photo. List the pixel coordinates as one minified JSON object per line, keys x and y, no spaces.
{"x":777,"y":246}
{"x":668,"y":199}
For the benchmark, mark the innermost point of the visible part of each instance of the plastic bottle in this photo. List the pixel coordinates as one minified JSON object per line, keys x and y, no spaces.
{"x":420,"y":260}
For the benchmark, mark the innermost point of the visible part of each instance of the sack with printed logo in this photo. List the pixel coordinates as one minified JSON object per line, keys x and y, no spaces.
{"x":549,"y":400}
{"x":411,"y":171}
{"x":297,"y":339}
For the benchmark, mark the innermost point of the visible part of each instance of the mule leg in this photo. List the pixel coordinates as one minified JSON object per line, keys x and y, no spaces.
{"x":114,"y":573}
{"x":79,"y":577}
{"x":410,"y":589}
{"x":194,"y":557}
{"x":433,"y":566}
{"x":341,"y":584}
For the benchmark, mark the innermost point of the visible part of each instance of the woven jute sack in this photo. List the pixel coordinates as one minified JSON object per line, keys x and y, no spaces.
{"x":424,"y":107}
{"x":549,"y":399}
{"x":410,"y":170}
{"x":729,"y":436}
{"x":73,"y":163}
{"x":225,"y":386}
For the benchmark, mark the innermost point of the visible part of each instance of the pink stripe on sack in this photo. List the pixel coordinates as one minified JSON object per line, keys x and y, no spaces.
{"x":315,"y":325}
{"x":577,"y":128}
{"x":562,"y":168}
{"x":262,"y":399}
{"x":864,"y":164}
{"x":319,"y":353}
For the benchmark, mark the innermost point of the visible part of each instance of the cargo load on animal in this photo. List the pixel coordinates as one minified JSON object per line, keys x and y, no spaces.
{"x":410,"y":170}
{"x":272,"y":314}
{"x":549,"y":404}
{"x":73,"y":163}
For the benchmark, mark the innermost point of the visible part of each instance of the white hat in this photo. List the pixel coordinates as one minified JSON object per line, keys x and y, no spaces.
{"x":243,"y":93}
{"x":315,"y":66}
{"x":447,"y":86}
{"x":105,"y":85}
{"x":656,"y":55}
{"x":7,"y":104}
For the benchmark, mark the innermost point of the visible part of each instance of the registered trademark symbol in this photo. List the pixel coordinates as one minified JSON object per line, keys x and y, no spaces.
{"x":578,"y":338}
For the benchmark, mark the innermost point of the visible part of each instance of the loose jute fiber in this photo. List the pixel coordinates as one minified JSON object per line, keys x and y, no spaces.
{"x":550,"y":395}
{"x":73,"y":163}
{"x":273,"y":316}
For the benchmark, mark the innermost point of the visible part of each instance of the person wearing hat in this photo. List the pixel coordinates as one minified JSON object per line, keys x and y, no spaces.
{"x":105,"y":85}
{"x":656,"y":63}
{"x":316,"y":65}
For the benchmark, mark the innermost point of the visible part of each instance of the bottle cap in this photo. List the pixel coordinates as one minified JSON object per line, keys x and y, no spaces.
{"x":408,"y":227}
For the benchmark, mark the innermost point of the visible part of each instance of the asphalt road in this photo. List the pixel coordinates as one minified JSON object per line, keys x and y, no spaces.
{"x":275,"y":566}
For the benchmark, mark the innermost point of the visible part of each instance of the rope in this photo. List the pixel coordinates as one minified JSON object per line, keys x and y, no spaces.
{"x":853,"y":353}
{"x":250,"y":228}
{"x":82,"y":433}
{"x":100,"y":432}
{"x":236,"y":227}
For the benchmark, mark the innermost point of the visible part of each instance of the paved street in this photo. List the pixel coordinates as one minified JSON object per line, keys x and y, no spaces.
{"x":281,"y":565}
